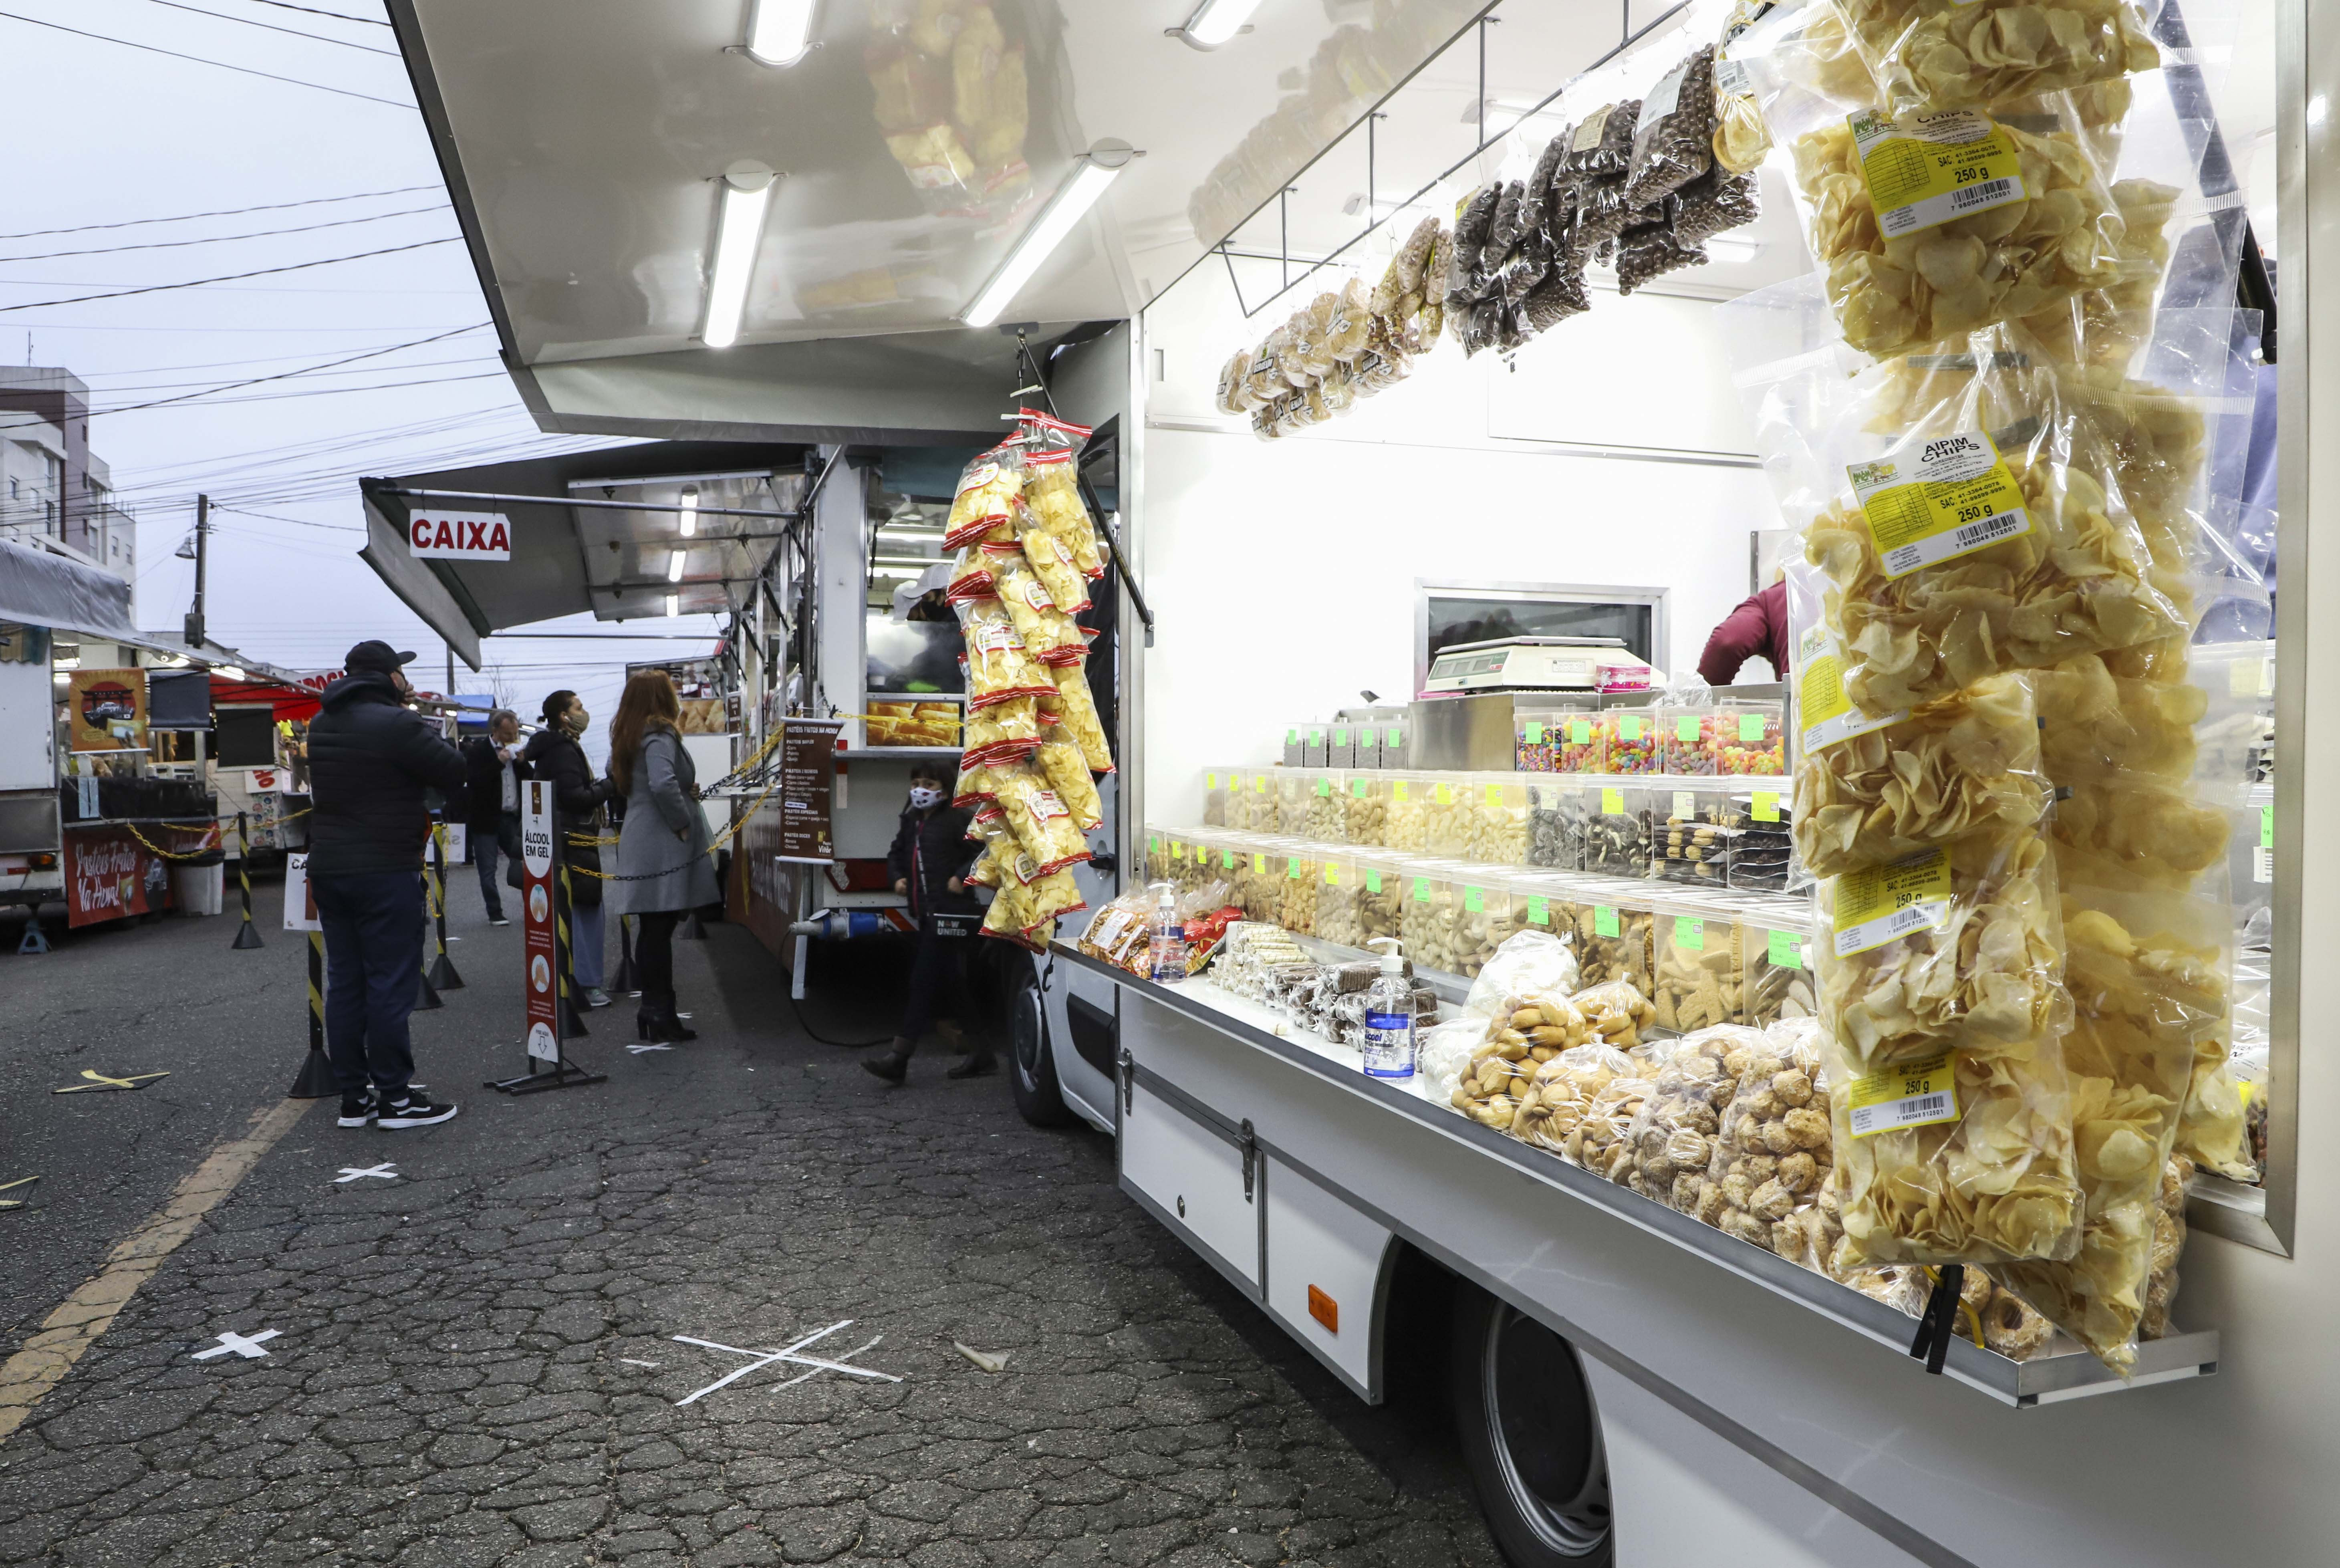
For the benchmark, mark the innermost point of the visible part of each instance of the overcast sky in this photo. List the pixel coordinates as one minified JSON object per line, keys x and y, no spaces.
{"x":101,"y":133}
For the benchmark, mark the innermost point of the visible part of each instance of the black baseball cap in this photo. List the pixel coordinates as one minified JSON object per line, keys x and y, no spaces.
{"x":375,"y":654}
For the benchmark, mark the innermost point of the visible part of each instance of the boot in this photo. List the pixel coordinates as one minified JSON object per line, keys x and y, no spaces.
{"x":893,"y":1066}
{"x":979,"y":1062}
{"x":657,"y":1020}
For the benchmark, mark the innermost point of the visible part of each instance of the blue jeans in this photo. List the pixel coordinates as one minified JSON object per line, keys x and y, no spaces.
{"x":485,"y":849}
{"x":374,"y":977}
{"x":587,"y":937}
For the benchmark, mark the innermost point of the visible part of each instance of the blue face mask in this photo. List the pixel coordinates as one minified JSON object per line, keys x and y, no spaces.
{"x":922,"y":797}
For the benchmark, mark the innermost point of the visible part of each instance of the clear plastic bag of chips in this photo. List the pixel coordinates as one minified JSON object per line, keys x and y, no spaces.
{"x":1073,"y":705}
{"x":1068,"y":773}
{"x":1043,"y":824}
{"x":1927,"y":55}
{"x":983,"y":508}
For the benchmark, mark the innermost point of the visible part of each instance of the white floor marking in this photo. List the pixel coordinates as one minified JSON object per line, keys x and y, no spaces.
{"x":636,"y":1047}
{"x":630,"y":1361}
{"x":247,"y":1348}
{"x":351,"y":1173}
{"x":793,"y":1354}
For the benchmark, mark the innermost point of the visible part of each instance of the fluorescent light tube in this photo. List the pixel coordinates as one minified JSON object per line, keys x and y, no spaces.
{"x":690,"y":510}
{"x":746,"y":189}
{"x":1217,"y":21}
{"x":674,"y":604}
{"x":780,"y":31}
{"x":674,"y":567}
{"x":1074,"y":198}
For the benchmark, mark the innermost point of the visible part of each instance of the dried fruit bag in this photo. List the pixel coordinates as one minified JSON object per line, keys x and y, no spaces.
{"x":1772,"y":1176}
{"x":1673,"y":1135}
{"x":1563,"y":1091}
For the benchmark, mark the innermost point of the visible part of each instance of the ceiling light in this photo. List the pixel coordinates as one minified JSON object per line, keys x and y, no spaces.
{"x":1091,"y":174}
{"x":674,"y":604}
{"x":690,"y":524}
{"x":230,"y":673}
{"x":674,"y":567}
{"x":63,"y":678}
{"x":779,"y":32}
{"x":747,"y":189}
{"x":1215,"y":22}
{"x":1724,"y":248}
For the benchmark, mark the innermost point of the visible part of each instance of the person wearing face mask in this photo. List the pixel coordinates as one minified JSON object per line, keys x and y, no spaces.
{"x":554,"y":755}
{"x":930,"y":859}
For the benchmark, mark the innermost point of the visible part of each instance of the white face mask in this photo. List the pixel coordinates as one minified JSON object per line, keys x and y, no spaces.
{"x":922,"y":797}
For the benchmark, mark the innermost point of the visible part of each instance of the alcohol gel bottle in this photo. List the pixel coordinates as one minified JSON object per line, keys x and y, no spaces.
{"x":1165,"y":945}
{"x":1389,"y":1016}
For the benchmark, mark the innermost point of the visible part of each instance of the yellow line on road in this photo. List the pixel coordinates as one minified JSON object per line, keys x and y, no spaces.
{"x":78,"y":1321}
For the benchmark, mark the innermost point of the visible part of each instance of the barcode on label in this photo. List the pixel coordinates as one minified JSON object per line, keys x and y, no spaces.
{"x":1915,"y":1111}
{"x":1987,"y":193}
{"x":1990,"y":528}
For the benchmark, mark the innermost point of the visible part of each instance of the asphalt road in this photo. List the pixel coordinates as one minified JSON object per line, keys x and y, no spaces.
{"x":474,"y":1361}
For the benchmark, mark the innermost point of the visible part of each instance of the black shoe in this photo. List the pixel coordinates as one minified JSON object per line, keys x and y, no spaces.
{"x":498,"y":920}
{"x":416,"y":1110}
{"x":977,"y":1064}
{"x":358,"y":1109}
{"x":891,"y":1068}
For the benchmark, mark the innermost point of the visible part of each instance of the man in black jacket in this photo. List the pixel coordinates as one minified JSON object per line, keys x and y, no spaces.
{"x":369,"y":759}
{"x":492,"y":769}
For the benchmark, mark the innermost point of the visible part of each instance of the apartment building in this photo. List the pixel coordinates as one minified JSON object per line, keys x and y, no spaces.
{"x":55,"y":494}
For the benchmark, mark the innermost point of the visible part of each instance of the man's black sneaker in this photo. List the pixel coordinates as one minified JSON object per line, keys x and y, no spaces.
{"x":498,"y":920}
{"x":415,"y":1111}
{"x":357,"y":1109}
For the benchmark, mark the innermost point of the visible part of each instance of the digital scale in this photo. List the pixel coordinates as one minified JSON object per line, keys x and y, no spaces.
{"x":1528,"y":664}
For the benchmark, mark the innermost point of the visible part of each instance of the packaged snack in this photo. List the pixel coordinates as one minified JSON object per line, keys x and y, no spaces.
{"x":1041,"y":821}
{"x":1612,"y":941}
{"x":1563,"y":1091}
{"x":1051,"y":560}
{"x":1601,"y":1141}
{"x":1699,"y":979}
{"x":1003,"y":731}
{"x":1964,"y":764}
{"x":1067,"y":774}
{"x":1117,"y":932}
{"x":1053,"y":492}
{"x":1556,"y":818}
{"x":983,"y":510}
{"x":1775,"y":952}
{"x":1674,"y":1135}
{"x":1673,"y":136}
{"x":1772,"y":1172}
{"x":1296,"y":907}
{"x":1647,"y":253}
{"x":1716,"y":200}
{"x":998,"y":670}
{"x":1618,"y":833}
{"x":1076,"y":708}
{"x":1618,"y":1012}
{"x":2168,"y":1242}
{"x":1938,"y":225}
{"x":1049,"y":633}
{"x":1931,"y":54}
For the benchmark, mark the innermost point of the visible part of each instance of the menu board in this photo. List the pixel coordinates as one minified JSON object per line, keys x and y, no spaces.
{"x":807,"y":789}
{"x":106,"y":710}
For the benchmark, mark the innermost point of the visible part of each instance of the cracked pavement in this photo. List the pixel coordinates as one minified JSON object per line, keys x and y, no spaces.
{"x":453,"y":1382}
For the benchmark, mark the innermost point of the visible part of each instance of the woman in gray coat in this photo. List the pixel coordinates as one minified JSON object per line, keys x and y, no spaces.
{"x":665,"y":867}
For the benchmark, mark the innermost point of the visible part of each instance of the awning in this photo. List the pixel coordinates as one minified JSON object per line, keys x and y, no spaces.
{"x":567,"y":558}
{"x":39,"y":589}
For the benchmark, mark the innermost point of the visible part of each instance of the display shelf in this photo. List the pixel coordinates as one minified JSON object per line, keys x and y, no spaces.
{"x":2068,"y":1373}
{"x":847,"y":756}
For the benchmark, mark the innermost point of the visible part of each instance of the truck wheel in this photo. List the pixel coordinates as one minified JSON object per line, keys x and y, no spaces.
{"x":1031,"y":1070}
{"x":1530,"y":1437}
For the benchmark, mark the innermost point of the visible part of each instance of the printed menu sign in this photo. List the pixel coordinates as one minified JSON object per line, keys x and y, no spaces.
{"x":808,"y":791}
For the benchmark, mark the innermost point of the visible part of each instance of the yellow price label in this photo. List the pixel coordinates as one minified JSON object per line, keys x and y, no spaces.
{"x":1924,"y":170}
{"x":1881,"y":904}
{"x":1951,"y":496}
{"x":1916,"y":1094}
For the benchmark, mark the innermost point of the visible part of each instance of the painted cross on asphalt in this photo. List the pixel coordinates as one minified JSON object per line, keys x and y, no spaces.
{"x":794,"y":1354}
{"x":351,"y":1173}
{"x":247,"y":1348}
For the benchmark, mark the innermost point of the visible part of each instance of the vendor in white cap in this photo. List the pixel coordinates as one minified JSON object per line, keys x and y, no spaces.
{"x":921,"y":598}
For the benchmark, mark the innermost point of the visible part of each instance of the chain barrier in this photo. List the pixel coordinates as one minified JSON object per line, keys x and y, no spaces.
{"x":211,"y":844}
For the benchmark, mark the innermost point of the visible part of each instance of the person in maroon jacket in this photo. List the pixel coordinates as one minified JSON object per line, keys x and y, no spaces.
{"x":1758,"y":626}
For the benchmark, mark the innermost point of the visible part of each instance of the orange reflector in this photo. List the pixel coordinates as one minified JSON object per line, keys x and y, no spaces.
{"x":1324,"y":1309}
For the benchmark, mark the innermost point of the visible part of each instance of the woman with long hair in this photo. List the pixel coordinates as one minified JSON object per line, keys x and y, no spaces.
{"x":664,"y":866}
{"x":553,"y":755}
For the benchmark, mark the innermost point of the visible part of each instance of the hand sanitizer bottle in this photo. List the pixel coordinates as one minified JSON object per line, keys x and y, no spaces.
{"x":1165,"y":946}
{"x":1388,"y":1044}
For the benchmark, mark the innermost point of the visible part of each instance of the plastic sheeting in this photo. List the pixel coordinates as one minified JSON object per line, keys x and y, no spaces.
{"x":44,"y":590}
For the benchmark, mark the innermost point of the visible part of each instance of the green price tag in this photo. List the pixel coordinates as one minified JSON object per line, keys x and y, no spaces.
{"x":1227,"y":860}
{"x":1357,"y":787}
{"x":1396,"y":737}
{"x":1324,"y":787}
{"x":1474,"y":901}
{"x":1421,"y":889}
{"x":1689,"y":932}
{"x":1629,"y":727}
{"x":1292,"y":868}
{"x":1580,"y":732}
{"x":1751,"y":729}
{"x":1372,"y":881}
{"x":2266,"y":827}
{"x":1535,"y":733}
{"x":1154,"y":843}
{"x":1786,"y":950}
{"x":1339,"y":735}
{"x":1604,"y":921}
{"x":1612,"y":802}
{"x":1292,"y":738}
{"x":1686,"y":727}
{"x":1767,"y":806}
{"x":1539,"y":910}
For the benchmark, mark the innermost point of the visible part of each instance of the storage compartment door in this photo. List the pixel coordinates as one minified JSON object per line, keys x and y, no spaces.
{"x":1325,"y":1274}
{"x":1189,"y":1171}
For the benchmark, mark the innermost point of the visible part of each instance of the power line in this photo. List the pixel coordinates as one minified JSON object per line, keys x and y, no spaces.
{"x":200,"y":60}
{"x":221,"y":213}
{"x":311,"y":10}
{"x":224,"y":238}
{"x":272,"y":27}
{"x":126,"y":388}
{"x":228,"y":278}
{"x":309,"y":392}
{"x":310,"y":369}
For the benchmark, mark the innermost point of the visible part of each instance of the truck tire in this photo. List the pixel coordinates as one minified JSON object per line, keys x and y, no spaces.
{"x":1031,"y":1069}
{"x":1529,"y":1436}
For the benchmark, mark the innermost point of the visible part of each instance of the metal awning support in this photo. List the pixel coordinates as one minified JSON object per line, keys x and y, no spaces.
{"x":389,"y":486}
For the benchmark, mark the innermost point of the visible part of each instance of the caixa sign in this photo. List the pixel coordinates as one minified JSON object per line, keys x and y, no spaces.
{"x":460,"y":535}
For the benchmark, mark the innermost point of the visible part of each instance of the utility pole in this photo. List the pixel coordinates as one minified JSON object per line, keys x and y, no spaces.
{"x":194,"y":627}
{"x":450,"y":693}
